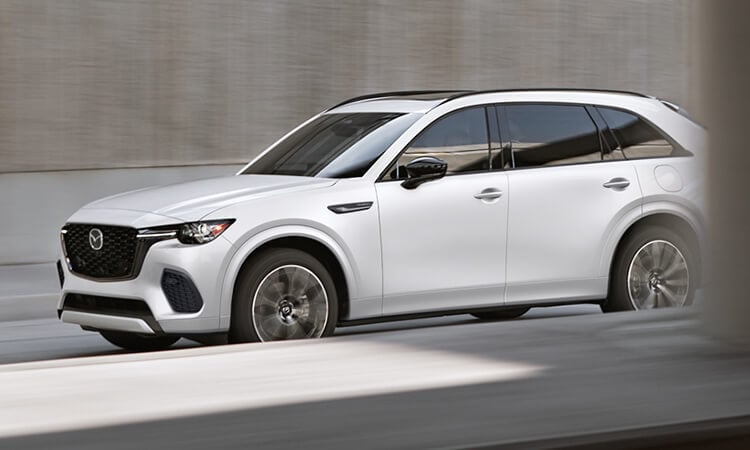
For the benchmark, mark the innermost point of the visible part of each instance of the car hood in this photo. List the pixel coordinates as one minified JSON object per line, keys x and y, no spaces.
{"x":195,"y":199}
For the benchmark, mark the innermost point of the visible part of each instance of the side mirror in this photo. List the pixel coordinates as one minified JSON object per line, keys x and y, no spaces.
{"x":424,"y":169}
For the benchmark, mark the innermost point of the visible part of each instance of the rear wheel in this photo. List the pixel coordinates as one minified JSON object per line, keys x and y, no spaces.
{"x":501,"y":314}
{"x":655,"y":268}
{"x":138,"y":342}
{"x":283,"y":294}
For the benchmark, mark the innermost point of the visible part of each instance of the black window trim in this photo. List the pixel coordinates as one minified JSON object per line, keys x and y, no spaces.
{"x":386,"y":171}
{"x":685,"y":153}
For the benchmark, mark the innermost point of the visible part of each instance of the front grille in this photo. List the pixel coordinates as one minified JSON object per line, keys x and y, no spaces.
{"x":115,"y":260}
{"x":181,"y":293}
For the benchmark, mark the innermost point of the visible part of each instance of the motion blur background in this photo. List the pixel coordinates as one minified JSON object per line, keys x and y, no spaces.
{"x":154,"y":92}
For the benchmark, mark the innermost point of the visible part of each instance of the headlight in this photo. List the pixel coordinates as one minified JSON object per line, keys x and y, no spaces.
{"x":202,"y":232}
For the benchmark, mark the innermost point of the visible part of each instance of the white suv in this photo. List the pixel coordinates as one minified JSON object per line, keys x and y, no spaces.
{"x":402,"y":205}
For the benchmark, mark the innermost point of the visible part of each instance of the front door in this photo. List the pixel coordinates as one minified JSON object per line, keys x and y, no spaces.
{"x":444,"y":242}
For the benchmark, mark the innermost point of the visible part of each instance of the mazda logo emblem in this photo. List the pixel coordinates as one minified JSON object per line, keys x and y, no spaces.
{"x":96,"y":238}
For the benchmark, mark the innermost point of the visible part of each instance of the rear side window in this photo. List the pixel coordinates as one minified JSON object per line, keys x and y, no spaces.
{"x":551,"y":135}
{"x":635,"y":137}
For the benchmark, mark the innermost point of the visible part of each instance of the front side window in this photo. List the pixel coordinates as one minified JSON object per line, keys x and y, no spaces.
{"x":460,"y":139}
{"x":635,"y":137}
{"x":334,"y":145}
{"x":551,"y":135}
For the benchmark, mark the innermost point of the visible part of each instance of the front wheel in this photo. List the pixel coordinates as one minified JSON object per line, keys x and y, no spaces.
{"x":655,"y":268}
{"x":138,"y":342}
{"x":283,"y":294}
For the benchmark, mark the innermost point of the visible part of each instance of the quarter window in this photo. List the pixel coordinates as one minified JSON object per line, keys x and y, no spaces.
{"x":551,"y":135}
{"x":460,"y":139}
{"x":635,"y":137}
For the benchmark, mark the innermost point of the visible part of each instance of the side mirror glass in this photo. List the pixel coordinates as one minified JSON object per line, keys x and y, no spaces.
{"x":424,"y":169}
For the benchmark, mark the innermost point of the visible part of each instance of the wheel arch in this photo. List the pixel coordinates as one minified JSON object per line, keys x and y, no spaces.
{"x":669,"y":220}
{"x":311,"y":241}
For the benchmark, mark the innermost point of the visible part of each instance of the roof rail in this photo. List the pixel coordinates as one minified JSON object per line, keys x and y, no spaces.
{"x":493,"y":91}
{"x":396,"y":94}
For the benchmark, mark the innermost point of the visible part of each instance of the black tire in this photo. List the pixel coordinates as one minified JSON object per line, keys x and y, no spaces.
{"x":501,"y":314}
{"x":619,"y":297}
{"x":263,"y":265}
{"x":138,"y":342}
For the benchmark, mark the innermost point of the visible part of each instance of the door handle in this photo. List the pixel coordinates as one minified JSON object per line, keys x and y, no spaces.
{"x":617,"y":183}
{"x":489,"y":194}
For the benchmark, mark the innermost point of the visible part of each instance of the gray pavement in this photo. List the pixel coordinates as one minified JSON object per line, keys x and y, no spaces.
{"x":47,"y":338}
{"x":651,"y":376}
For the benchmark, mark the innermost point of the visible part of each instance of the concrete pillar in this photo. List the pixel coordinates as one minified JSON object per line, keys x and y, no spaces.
{"x":726,"y":84}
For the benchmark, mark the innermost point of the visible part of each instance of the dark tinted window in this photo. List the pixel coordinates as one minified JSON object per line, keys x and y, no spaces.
{"x":334,"y":145}
{"x":460,"y":139}
{"x":550,"y":135}
{"x":635,"y":137}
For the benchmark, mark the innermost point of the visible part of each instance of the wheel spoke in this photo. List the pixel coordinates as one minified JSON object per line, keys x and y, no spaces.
{"x":676,"y":283}
{"x":271,"y":326}
{"x":307,"y":326}
{"x":265,"y":309}
{"x":677,"y":266}
{"x":658,"y":254}
{"x":649,"y":302}
{"x":671,"y":298}
{"x":668,"y":260}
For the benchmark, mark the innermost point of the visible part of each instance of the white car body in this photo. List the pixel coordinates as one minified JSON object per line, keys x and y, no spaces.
{"x":549,"y":239}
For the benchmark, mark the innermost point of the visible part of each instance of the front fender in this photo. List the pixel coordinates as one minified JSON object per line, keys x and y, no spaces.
{"x":257,"y":239}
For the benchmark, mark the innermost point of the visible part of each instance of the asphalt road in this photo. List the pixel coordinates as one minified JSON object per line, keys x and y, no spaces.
{"x":541,"y":381}
{"x":45,"y":339}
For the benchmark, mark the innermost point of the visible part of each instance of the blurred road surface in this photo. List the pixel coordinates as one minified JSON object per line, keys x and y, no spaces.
{"x":440,"y":383}
{"x":42,"y":339}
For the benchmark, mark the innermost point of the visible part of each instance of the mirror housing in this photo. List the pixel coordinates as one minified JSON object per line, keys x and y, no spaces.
{"x":424,"y":169}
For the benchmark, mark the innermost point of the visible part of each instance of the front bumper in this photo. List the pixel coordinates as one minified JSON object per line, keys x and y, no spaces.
{"x":203,"y":265}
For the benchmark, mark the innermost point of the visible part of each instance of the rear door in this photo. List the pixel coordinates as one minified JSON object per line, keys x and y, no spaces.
{"x":565,"y":194}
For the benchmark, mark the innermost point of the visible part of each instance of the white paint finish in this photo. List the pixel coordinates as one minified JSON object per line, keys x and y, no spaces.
{"x":94,"y":392}
{"x":104,"y":322}
{"x":668,"y":178}
{"x":187,"y":259}
{"x":190,"y":201}
{"x":441,"y":243}
{"x":562,"y":291}
{"x":559,"y":221}
{"x":354,"y":238}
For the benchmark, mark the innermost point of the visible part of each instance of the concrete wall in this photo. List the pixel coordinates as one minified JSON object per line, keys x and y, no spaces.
{"x":35,"y":205}
{"x":120,"y":83}
{"x":112,"y":84}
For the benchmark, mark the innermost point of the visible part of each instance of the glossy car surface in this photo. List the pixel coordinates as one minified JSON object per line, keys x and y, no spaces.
{"x":404,"y":204}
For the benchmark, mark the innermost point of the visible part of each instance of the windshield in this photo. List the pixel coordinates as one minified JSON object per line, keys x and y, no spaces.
{"x":334,"y":145}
